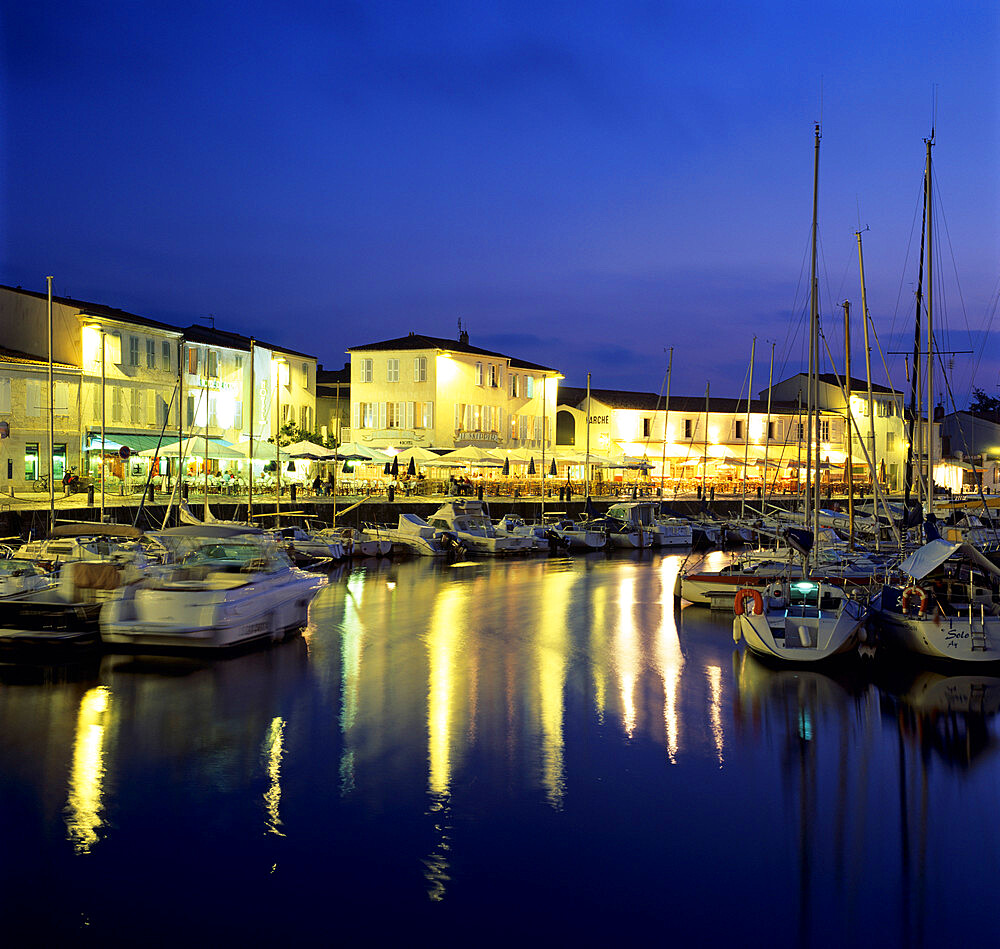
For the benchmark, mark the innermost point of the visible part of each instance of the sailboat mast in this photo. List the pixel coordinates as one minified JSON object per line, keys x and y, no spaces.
{"x":746,"y":433}
{"x":586,"y":469}
{"x":849,"y":464}
{"x":253,"y":345}
{"x":704,"y":457}
{"x":868,"y":371}
{"x":812,"y":502}
{"x":916,"y":402}
{"x":767,"y":428}
{"x":52,"y":429}
{"x":666,"y":422}
{"x":930,"y":329}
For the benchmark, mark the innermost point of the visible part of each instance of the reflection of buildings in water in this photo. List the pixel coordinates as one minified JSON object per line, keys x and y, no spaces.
{"x":668,"y":657}
{"x":714,"y":676}
{"x":86,"y":780}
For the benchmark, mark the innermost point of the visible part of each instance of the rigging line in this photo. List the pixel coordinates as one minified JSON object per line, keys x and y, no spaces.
{"x":918,"y":207}
{"x":657,"y":409}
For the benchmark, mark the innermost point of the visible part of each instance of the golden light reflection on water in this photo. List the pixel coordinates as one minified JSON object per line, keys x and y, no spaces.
{"x":669,"y":658}
{"x":274,"y":748}
{"x":86,"y":782}
{"x":598,"y":647}
{"x":714,"y":674}
{"x":551,"y":656}
{"x":351,"y":644}
{"x":627,"y":653}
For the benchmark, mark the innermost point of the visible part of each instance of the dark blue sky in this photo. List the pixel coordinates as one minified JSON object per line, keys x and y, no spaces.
{"x":582,"y":184}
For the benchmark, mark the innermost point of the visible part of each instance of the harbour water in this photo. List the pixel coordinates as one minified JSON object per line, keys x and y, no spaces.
{"x":546,"y":751}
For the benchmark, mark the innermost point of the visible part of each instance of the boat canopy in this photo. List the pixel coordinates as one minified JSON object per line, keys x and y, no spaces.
{"x":922,"y":561}
{"x":93,"y":529}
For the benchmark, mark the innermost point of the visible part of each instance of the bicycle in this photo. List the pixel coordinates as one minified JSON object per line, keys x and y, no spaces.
{"x":41,"y":483}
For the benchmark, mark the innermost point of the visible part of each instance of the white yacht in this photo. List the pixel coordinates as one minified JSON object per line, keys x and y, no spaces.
{"x":86,"y":541}
{"x":227,"y":587}
{"x":469,"y":521}
{"x":799,"y":621}
{"x":22,"y":575}
{"x":643,"y":515}
{"x":415,"y":535}
{"x":949,"y":608}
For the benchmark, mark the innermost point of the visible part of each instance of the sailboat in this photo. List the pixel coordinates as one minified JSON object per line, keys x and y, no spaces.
{"x":807,"y":619}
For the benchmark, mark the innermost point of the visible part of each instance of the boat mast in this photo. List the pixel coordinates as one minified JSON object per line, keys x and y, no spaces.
{"x":930,"y":328}
{"x":543,"y":447}
{"x":868,"y":371}
{"x":181,"y":354}
{"x":586,"y":467}
{"x":52,"y":429}
{"x":704,"y":457}
{"x":849,"y":466}
{"x":666,"y":423}
{"x":916,"y":400}
{"x":253,"y":345}
{"x":812,"y":502}
{"x":746,"y":433}
{"x":767,"y":429}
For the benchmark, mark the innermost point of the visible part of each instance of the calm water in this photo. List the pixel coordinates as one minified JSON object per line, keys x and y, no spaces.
{"x":545,"y":751}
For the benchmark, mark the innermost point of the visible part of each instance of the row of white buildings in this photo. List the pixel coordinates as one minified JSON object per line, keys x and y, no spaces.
{"x":147,"y":382}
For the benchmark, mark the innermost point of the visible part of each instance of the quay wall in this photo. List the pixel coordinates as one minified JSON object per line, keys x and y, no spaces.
{"x":20,"y":522}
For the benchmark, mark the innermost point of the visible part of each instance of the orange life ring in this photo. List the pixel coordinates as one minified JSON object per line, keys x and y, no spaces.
{"x":909,"y":593}
{"x":741,"y":595}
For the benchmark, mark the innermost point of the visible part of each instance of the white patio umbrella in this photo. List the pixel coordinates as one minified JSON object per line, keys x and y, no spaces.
{"x":353,"y":451}
{"x":309,"y":450}
{"x":420,"y":455}
{"x":473,"y":457}
{"x":194,"y":447}
{"x":262,"y":450}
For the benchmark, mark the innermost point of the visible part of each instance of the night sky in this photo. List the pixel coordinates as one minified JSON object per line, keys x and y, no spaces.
{"x":583,"y":184}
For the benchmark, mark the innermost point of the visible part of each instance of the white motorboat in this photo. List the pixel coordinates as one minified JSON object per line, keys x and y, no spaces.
{"x":86,"y":541}
{"x":643,"y":516}
{"x":414,"y":534}
{"x":948,"y":609}
{"x":535,"y":537}
{"x":469,"y":521}
{"x":307,"y":549}
{"x":62,"y":618}
{"x":20,"y":575}
{"x":579,"y":537}
{"x":227,"y":587}
{"x":799,"y":621}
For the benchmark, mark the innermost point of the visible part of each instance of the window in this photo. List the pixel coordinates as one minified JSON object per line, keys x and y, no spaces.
{"x":238,"y":414}
{"x":824,"y":430}
{"x":305,"y":418}
{"x":165,"y":354}
{"x":162,"y":409}
{"x":529,"y":387}
{"x":4,"y":395}
{"x":213,"y":364}
{"x":425,"y":414}
{"x":771,"y":431}
{"x":479,"y":373}
{"x":117,"y":404}
{"x":193,"y":360}
{"x":285,"y":413}
{"x":890,"y":441}
{"x":60,"y":398}
{"x":647,"y":425}
{"x":213,"y":410}
{"x":419,"y":368}
{"x":687,"y":428}
{"x":238,"y":364}
{"x":739,"y":429}
{"x":31,"y":461}
{"x":368,"y":413}
{"x":133,"y":350}
{"x":493,"y":376}
{"x":394,"y":415}
{"x":136,"y":406}
{"x":33,"y":399}
{"x":58,"y":461}
{"x":392,"y":370}
{"x":802,"y":430}
{"x":305,"y":375}
{"x":150,"y":353}
{"x":366,"y":370}
{"x":513,"y":385}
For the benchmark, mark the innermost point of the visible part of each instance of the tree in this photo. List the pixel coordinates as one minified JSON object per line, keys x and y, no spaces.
{"x":290,"y":433}
{"x":985,"y":406}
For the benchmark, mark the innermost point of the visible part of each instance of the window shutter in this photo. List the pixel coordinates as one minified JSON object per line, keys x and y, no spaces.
{"x":429,"y":414}
{"x":380,"y":421}
{"x":4,"y":395}
{"x":409,"y":416}
{"x":33,"y":401}
{"x":355,"y":412}
{"x":500,"y":421}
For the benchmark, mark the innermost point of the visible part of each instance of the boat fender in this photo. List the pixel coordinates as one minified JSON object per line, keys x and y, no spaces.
{"x":909,"y":593}
{"x":737,"y":629}
{"x":747,"y":592}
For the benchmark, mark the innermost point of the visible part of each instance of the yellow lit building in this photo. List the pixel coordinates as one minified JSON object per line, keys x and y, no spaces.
{"x":443,"y":393}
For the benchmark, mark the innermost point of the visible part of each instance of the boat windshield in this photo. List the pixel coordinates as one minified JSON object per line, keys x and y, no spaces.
{"x":233,"y":556}
{"x":19,"y":567}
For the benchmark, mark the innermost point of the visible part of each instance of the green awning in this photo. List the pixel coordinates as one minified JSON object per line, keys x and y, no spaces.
{"x":139,"y":441}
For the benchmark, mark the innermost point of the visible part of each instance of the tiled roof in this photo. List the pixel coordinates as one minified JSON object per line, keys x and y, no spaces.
{"x":210,"y":336}
{"x":418,"y":341}
{"x":16,"y":356}
{"x":651,"y":401}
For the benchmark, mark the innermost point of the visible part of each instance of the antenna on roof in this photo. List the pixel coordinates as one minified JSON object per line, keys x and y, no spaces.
{"x":210,"y":319}
{"x":463,"y":334}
